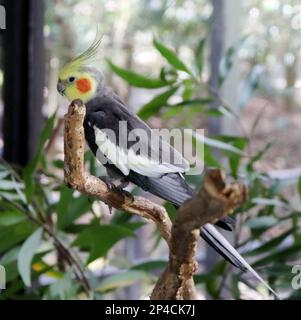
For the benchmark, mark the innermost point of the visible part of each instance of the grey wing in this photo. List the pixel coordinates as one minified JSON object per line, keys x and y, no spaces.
{"x":149,"y":154}
{"x":146,"y":153}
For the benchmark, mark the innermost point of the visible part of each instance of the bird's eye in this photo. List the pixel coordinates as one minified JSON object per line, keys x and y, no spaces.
{"x":71,"y":79}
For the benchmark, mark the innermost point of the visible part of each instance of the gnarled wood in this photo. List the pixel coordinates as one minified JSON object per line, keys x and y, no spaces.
{"x":215,"y":200}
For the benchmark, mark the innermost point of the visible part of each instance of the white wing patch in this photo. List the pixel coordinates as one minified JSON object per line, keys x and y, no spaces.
{"x":149,"y":167}
{"x":116,"y":155}
{"x":126,"y":160}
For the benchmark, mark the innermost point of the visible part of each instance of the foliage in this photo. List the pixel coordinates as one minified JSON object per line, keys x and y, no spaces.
{"x":274,"y":28}
{"x":42,"y":246}
{"x":49,"y":233}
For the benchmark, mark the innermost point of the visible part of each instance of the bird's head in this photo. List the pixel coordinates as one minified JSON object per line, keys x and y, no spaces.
{"x":78,"y":79}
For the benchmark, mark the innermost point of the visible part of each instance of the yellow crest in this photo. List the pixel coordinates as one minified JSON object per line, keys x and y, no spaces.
{"x":86,"y":58}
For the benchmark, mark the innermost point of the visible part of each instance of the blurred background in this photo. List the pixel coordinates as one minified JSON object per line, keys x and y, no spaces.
{"x":233,"y":68}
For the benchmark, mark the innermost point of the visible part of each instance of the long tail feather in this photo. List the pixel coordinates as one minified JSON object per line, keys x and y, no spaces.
{"x":223,"y":246}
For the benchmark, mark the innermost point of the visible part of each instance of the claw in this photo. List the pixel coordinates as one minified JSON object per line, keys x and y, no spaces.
{"x":111,"y":186}
{"x":118,"y":189}
{"x":127,"y":194}
{"x":122,"y":192}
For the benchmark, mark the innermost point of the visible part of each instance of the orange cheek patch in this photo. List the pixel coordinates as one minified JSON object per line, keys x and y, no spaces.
{"x":83,"y":85}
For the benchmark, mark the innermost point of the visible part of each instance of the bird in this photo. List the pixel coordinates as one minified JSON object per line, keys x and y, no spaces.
{"x":105,"y":112}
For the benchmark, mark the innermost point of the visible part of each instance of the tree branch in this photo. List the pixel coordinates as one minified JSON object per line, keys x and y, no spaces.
{"x":215,"y":200}
{"x":212,"y":202}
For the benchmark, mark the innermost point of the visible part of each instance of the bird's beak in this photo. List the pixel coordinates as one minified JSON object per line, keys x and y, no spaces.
{"x":61,"y":88}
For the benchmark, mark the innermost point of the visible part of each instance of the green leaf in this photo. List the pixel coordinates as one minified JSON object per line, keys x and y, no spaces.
{"x":210,"y":159}
{"x":194,"y":102}
{"x":221,"y":145}
{"x":299,"y":186}
{"x":156,"y":104}
{"x":10,"y":256}
{"x":269,"y":202}
{"x":234,"y":286}
{"x":281,"y":255}
{"x":26,"y":255}
{"x":121,"y":217}
{"x":15,"y":233}
{"x":226,"y":65}
{"x":171,"y":112}
{"x":58,"y":164}
{"x":261,"y":222}
{"x":137,"y":80}
{"x":250,"y":85}
{"x":64,"y":288}
{"x":212,"y":284}
{"x":203,"y":278}
{"x":11,"y":272}
{"x":11,"y":190}
{"x":100,"y":239}
{"x":227,"y":61}
{"x":28,"y":172}
{"x":280,"y":270}
{"x":269,"y":245}
{"x":69,"y":208}
{"x":238,"y":142}
{"x":8,"y":218}
{"x":171,"y":210}
{"x":8,"y":185}
{"x":194,"y":106}
{"x":199,"y":54}
{"x":169,"y":75}
{"x":150,"y":265}
{"x":261,"y":153}
{"x":212,"y":112}
{"x":171,"y":57}
{"x":234,"y":159}
{"x":124,"y":279}
{"x":10,"y":196}
{"x":133,"y":225}
{"x":188,"y":90}
{"x":4,"y":173}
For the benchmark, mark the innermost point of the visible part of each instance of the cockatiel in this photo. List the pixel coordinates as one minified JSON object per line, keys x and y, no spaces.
{"x":105,"y":110}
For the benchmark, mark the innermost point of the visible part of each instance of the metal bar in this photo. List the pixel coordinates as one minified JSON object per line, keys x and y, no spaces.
{"x":23,"y":79}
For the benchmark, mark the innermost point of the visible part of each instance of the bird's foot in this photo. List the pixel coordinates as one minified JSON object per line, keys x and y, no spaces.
{"x":119,"y":189}
{"x":109,"y":182}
